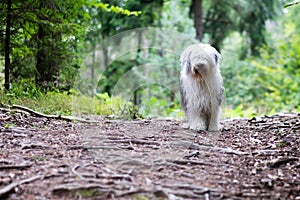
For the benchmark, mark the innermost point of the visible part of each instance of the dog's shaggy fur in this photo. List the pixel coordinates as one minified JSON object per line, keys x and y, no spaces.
{"x":201,"y":87}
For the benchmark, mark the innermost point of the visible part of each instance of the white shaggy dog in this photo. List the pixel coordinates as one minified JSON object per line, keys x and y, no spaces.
{"x":201,"y":87}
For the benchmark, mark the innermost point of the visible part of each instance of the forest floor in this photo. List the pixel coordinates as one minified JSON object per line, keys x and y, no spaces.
{"x":43,"y":158}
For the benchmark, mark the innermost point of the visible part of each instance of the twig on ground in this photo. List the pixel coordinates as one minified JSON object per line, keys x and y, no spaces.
{"x":76,"y":173}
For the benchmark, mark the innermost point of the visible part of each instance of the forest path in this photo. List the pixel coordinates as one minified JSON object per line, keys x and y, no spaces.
{"x":149,"y":159}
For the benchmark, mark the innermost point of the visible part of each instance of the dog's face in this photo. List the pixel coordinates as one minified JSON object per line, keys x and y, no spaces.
{"x":200,"y":59}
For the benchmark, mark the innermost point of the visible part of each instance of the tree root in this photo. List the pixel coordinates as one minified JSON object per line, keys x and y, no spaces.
{"x":58,"y":117}
{"x":7,"y":189}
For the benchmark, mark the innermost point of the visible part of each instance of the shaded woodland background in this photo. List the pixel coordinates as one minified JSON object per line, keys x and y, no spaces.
{"x":56,"y":55}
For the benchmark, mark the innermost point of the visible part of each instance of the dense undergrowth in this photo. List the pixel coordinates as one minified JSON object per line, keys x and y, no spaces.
{"x":73,"y":103}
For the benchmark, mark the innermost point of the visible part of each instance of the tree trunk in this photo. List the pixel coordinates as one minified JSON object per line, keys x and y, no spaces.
{"x":93,"y":65}
{"x":197,"y":12}
{"x":105,"y":57}
{"x":48,"y":54}
{"x":41,"y":66}
{"x":160,"y":37}
{"x":136,"y":96}
{"x":7,"y":45}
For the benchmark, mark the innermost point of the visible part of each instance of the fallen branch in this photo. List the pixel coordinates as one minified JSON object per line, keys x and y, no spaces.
{"x":58,"y":117}
{"x":7,"y":189}
{"x":38,"y":114}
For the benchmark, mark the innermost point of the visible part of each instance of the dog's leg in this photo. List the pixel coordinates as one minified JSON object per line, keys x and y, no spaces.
{"x":214,"y":119}
{"x":197,"y":122}
{"x":185,"y":125}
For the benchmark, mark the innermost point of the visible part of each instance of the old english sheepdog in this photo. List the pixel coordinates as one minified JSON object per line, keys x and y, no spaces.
{"x":201,"y":87}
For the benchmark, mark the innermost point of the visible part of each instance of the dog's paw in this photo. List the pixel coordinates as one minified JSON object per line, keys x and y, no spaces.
{"x":198,"y":127}
{"x":185,"y":125}
{"x":213,"y":128}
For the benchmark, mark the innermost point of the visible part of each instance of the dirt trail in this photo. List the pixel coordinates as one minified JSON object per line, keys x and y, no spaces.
{"x":149,"y":159}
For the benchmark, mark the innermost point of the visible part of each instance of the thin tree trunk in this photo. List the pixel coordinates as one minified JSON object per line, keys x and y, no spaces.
{"x":93,"y":66}
{"x":7,"y":45}
{"x":160,"y":38}
{"x":136,"y":96}
{"x":197,"y":11}
{"x":41,"y":68}
{"x":105,"y":56}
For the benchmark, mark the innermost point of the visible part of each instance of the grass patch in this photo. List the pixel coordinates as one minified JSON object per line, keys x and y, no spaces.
{"x":70,"y":103}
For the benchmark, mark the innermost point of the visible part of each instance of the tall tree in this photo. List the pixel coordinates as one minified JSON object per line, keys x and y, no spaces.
{"x":196,"y":9}
{"x":7,"y":44}
{"x":253,"y":22}
{"x":221,"y":17}
{"x":219,"y":21}
{"x":42,"y":36}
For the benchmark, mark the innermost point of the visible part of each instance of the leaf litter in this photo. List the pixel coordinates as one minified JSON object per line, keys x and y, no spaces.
{"x":42,"y":158}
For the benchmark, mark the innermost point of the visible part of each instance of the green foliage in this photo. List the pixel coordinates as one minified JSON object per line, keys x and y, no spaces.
{"x":160,"y":107}
{"x":70,"y":102}
{"x":100,"y":104}
{"x":47,"y":37}
{"x":140,"y":197}
{"x":291,"y":4}
{"x":269,"y":83}
{"x":27,"y":94}
{"x":45,"y":34}
{"x":116,"y":9}
{"x":222,"y":17}
{"x":174,"y":17}
{"x":114,"y":72}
